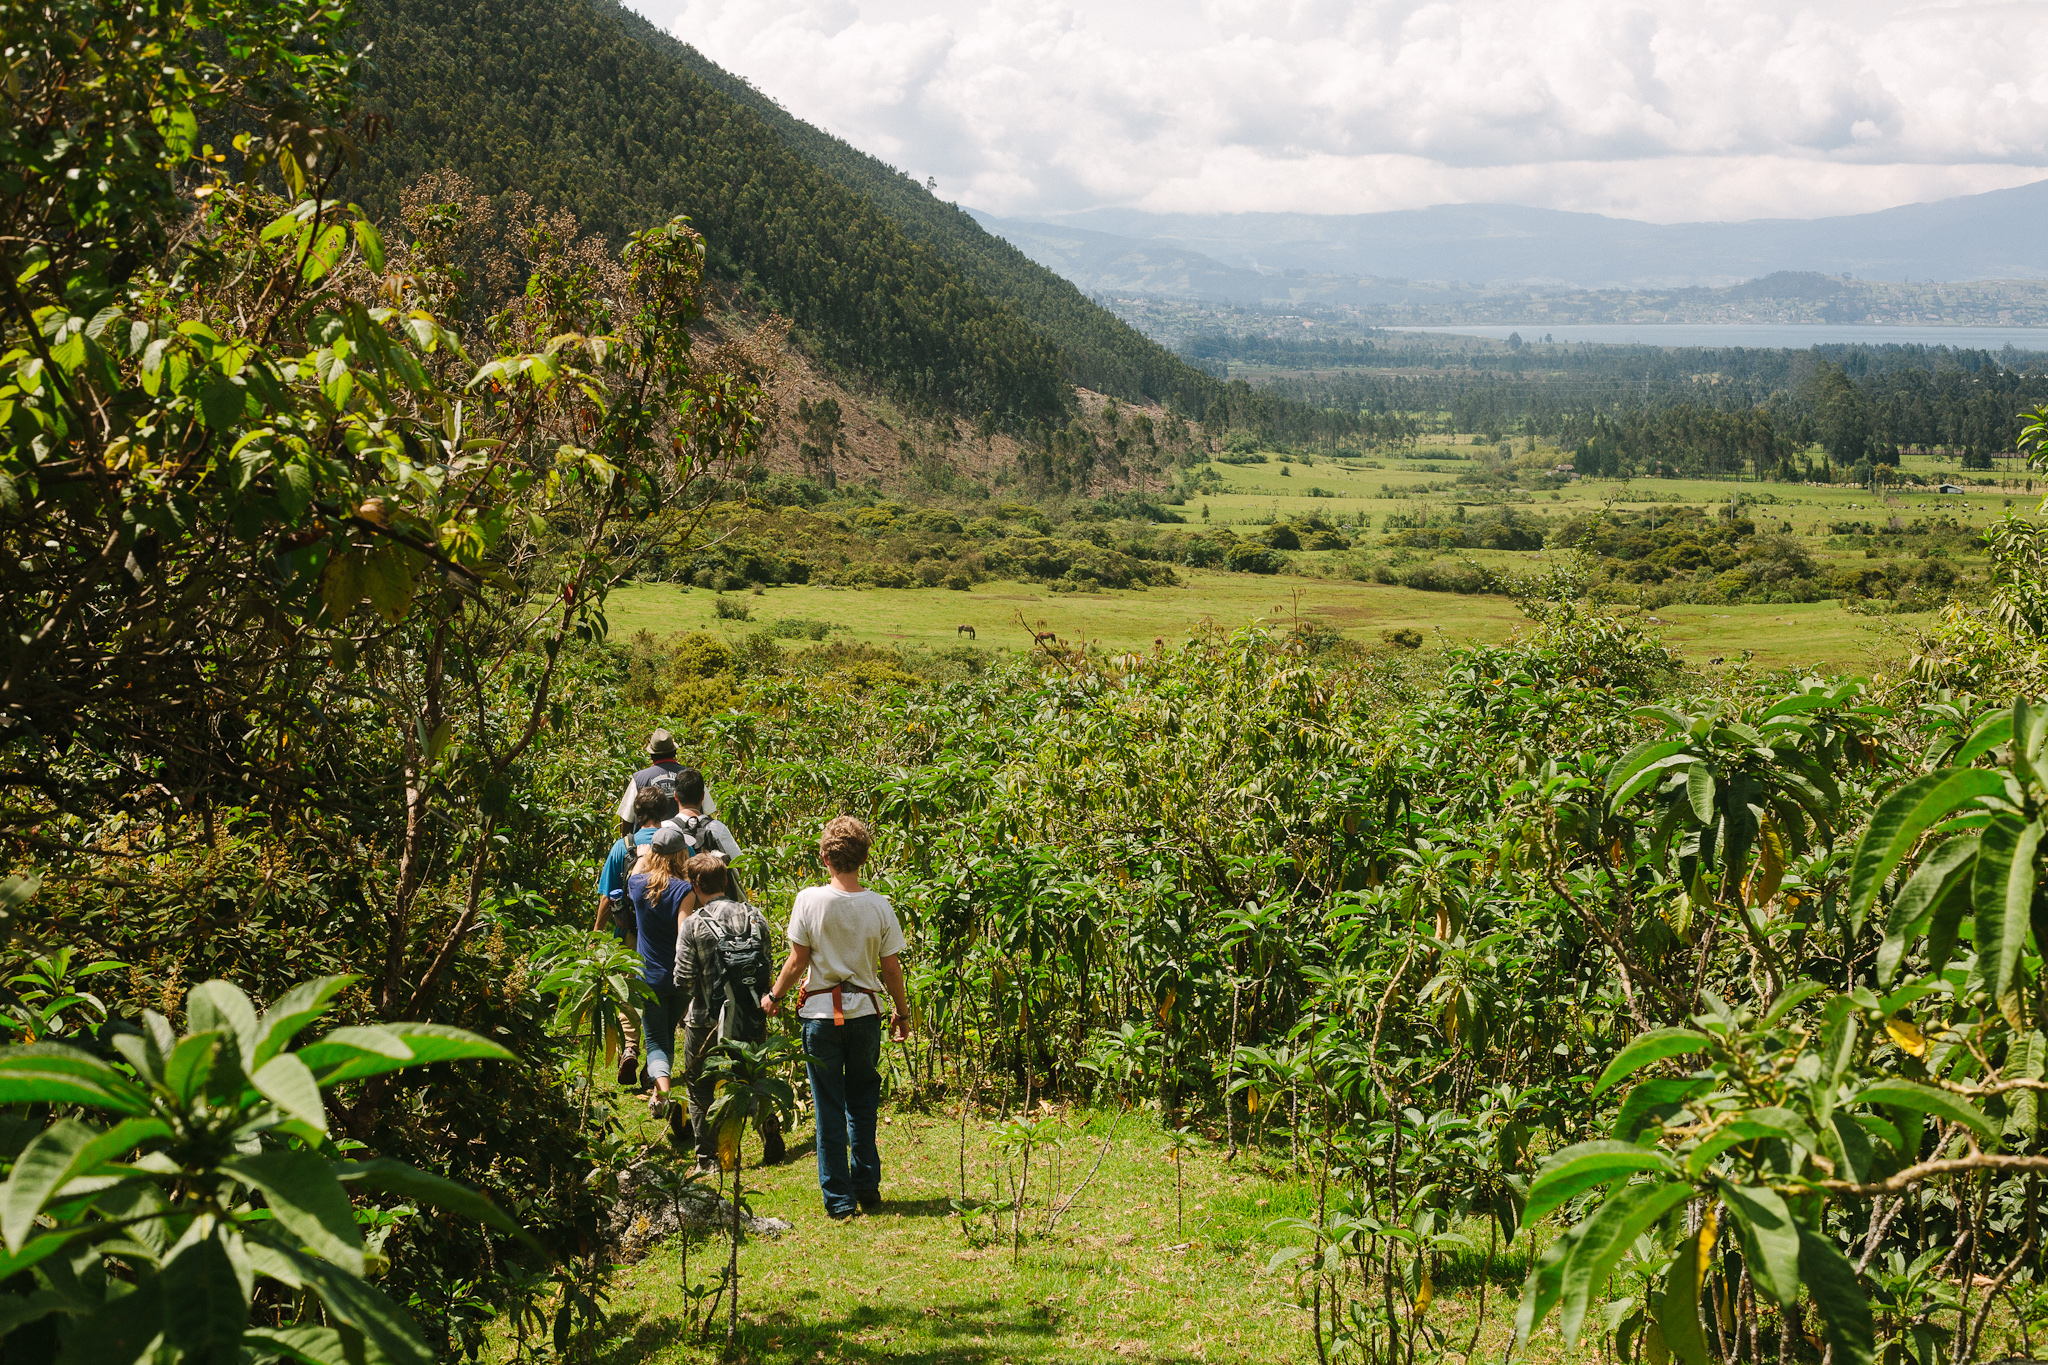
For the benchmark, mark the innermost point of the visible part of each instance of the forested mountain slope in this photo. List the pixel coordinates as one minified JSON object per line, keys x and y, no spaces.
{"x":561,"y":101}
{"x":585,"y":105}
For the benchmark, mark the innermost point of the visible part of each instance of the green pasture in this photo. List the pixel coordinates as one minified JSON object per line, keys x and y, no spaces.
{"x":1261,"y":493}
{"x":1005,"y":615}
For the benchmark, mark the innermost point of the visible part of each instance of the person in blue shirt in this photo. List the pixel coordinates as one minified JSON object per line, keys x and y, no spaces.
{"x":615,"y":911}
{"x":662,"y":898}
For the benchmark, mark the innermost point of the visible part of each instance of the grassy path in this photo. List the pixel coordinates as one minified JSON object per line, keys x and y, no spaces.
{"x":1116,"y":1280}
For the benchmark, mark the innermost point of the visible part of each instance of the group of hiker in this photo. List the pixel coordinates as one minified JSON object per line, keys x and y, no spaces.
{"x":669,"y":889}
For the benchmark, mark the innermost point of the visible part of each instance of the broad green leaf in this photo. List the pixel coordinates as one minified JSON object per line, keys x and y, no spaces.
{"x":1900,"y":821}
{"x":222,"y":1006}
{"x":287,"y":1083}
{"x":1926,"y":1099}
{"x":304,"y":1196}
{"x":1585,"y":1164}
{"x":341,"y":584}
{"x":18,"y":1310}
{"x":1843,"y":1305}
{"x":2029,"y":730}
{"x":1994,"y":731}
{"x":1646,"y":1048}
{"x":370,"y":243}
{"x":2026,"y":1059}
{"x":1770,"y":1240}
{"x":1544,"y":1286}
{"x":61,"y":1153}
{"x":189,"y":1069}
{"x":53,"y":1073}
{"x":1916,"y":901}
{"x":204,"y":1305}
{"x":350,"y":1054}
{"x":1678,"y":1307}
{"x":1626,"y":1215}
{"x":1637,"y":768}
{"x":297,"y":1007}
{"x":388,"y":582}
{"x":1657,"y":1099}
{"x":1793,"y":997}
{"x":293,"y":486}
{"x":123,"y":1336}
{"x":2002,"y":894}
{"x":1852,"y":1152}
{"x":46,"y":1163}
{"x":222,"y":401}
{"x":310,"y":1345}
{"x":1797,"y":703}
{"x":1757,"y":1124}
{"x":50,"y":1243}
{"x":324,"y":252}
{"x":1699,"y":790}
{"x":395,"y":1177}
{"x":349,"y":1300}
{"x":288,"y":221}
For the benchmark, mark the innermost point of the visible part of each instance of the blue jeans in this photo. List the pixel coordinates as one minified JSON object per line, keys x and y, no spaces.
{"x":659,"y":1019}
{"x":846,"y":1089}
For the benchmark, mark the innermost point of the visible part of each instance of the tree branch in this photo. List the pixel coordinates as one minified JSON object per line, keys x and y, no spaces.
{"x":1927,"y":1170}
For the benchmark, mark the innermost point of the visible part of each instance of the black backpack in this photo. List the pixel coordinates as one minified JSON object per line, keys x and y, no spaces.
{"x":742,"y":962}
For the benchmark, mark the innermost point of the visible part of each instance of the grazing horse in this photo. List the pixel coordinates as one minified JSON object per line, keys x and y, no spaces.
{"x":968,"y":631}
{"x":1039,"y":637}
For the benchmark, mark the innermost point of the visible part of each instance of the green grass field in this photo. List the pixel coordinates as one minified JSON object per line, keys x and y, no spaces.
{"x":1118,"y":1278}
{"x":1259,"y":492}
{"x":1817,"y":635}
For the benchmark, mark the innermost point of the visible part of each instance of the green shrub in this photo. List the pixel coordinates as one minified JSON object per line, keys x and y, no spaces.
{"x":1246,"y":557}
{"x":935,"y":520}
{"x":698,"y":655}
{"x":732,"y":609}
{"x":799,"y":628}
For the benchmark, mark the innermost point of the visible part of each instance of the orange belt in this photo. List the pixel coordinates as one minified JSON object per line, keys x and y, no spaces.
{"x":838,"y":1004}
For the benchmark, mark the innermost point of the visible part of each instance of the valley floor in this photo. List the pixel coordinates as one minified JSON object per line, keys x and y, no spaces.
{"x":1810,"y":635}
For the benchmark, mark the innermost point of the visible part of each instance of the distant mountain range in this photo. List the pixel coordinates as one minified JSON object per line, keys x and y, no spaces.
{"x":1247,"y":257}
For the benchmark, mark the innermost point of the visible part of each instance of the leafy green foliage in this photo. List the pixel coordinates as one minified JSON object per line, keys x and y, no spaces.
{"x":150,"y":1239}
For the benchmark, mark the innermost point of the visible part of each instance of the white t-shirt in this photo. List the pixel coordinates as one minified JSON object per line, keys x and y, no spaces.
{"x":848,"y":933}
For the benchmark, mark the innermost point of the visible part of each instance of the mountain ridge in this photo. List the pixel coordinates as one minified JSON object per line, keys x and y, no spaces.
{"x":1994,"y":235}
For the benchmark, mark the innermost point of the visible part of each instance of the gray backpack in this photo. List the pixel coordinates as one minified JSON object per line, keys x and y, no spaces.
{"x":742,"y":962}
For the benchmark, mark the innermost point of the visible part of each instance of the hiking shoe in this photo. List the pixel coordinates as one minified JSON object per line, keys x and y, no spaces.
{"x":870,"y":1199}
{"x":842,"y":1215}
{"x":629,"y":1067}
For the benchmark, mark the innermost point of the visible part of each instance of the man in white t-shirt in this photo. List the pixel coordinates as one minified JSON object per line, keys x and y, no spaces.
{"x":846,"y":941}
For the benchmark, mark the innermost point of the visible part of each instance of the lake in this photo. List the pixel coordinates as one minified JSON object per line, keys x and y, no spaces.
{"x":1772,"y":335}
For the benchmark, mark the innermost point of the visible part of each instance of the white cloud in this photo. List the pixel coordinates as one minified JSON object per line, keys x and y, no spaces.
{"x":1669,"y":110}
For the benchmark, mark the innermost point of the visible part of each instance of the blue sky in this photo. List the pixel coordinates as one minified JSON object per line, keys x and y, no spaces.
{"x":1667,"y":110}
